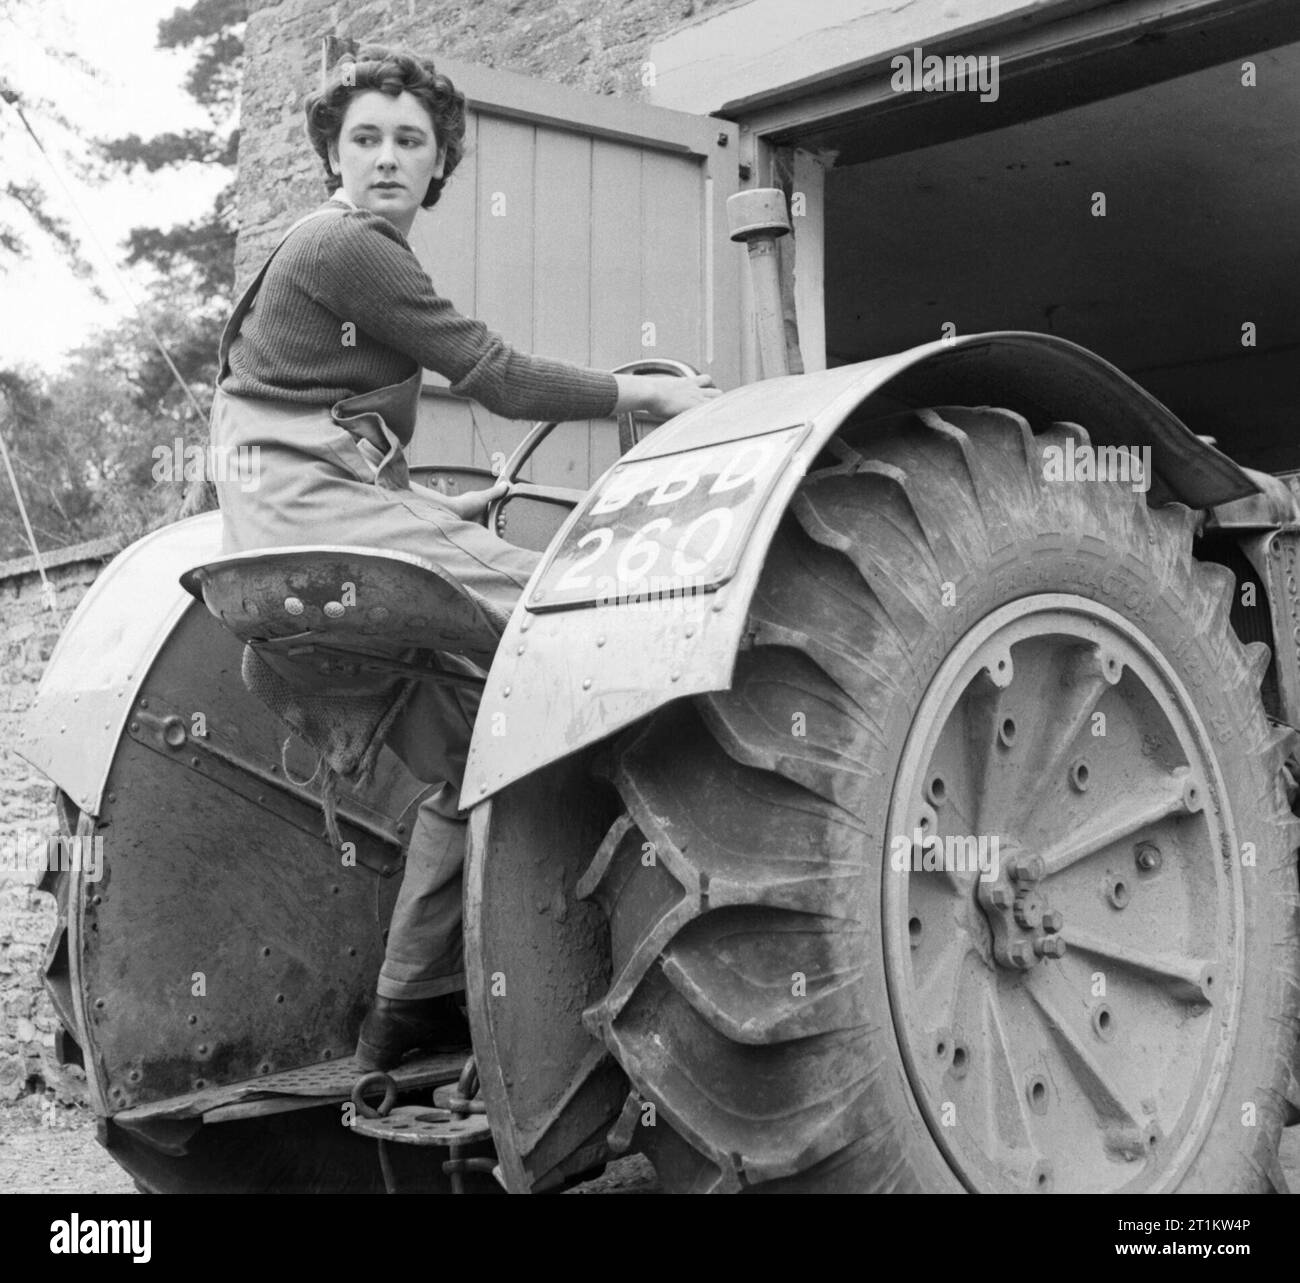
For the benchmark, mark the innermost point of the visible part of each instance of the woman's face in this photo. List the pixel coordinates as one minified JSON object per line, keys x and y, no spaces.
{"x":387,"y":153}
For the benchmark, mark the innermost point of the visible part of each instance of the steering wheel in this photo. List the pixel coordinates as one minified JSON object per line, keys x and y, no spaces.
{"x":628,"y":436}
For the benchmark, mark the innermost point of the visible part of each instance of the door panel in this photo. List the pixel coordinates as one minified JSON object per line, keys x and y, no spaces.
{"x":590,"y":229}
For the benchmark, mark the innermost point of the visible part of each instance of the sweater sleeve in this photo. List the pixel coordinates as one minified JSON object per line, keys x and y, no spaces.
{"x":366,"y":273}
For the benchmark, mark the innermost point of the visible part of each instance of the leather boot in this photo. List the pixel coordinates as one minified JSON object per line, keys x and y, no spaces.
{"x":395,"y":1026}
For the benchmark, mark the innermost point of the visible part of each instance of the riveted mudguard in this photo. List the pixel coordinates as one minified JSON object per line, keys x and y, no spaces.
{"x":101,"y":659}
{"x":568,"y":675}
{"x":221,"y":937}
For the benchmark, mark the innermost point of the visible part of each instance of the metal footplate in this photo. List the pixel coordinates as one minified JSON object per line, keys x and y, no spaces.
{"x":455,"y":1120}
{"x":309,"y":1086}
{"x":421,"y":1125}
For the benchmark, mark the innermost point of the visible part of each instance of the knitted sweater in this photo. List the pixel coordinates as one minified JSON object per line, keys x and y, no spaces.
{"x":296,"y":344}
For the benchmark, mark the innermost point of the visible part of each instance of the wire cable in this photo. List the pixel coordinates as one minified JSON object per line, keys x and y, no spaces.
{"x":47,"y":588}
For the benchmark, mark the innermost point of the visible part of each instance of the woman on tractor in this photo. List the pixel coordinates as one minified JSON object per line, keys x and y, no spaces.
{"x":320,"y":368}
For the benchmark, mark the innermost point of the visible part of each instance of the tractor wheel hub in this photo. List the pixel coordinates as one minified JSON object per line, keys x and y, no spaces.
{"x":1025,"y":928}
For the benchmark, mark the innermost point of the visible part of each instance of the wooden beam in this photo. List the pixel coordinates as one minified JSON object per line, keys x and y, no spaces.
{"x":769,"y":50}
{"x":528,"y":98}
{"x":1043,"y":68}
{"x":807,"y":209}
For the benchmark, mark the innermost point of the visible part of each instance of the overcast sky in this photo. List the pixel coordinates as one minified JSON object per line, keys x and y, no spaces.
{"x":47,"y":310}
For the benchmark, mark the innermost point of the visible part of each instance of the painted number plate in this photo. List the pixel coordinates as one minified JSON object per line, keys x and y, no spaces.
{"x":665,"y":527}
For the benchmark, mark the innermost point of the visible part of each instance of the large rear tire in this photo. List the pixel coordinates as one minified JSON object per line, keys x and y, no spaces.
{"x":946,"y":643}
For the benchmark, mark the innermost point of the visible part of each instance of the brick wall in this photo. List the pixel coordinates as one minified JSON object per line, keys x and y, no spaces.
{"x":596,"y":45}
{"x":28,"y":631}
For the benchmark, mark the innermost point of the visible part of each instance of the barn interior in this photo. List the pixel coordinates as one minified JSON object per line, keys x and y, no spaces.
{"x":1189,"y":281}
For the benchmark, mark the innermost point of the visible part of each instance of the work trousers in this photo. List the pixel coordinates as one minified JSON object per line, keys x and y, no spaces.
{"x":315,"y":486}
{"x":425,"y":956}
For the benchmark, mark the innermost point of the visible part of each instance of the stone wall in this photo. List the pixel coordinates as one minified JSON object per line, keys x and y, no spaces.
{"x":596,"y":45}
{"x":28,"y":631}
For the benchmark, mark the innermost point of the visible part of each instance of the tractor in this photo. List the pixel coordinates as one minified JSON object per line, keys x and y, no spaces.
{"x":885,"y":783}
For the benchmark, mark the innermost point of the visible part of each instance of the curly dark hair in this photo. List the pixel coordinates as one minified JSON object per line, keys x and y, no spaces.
{"x":390,"y":71}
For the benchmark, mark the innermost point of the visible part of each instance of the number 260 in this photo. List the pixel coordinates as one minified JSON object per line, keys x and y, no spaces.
{"x":641,"y":552}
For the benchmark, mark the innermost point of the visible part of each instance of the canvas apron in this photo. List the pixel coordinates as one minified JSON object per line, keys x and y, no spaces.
{"x":289,"y":475}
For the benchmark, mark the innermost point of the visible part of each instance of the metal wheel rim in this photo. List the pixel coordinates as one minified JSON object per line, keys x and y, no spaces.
{"x":1020,"y":1072}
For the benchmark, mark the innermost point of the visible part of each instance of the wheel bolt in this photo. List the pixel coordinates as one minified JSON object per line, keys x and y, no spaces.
{"x":1053,"y":921}
{"x":1028,"y":869}
{"x":1000,"y":897}
{"x":1148,"y":856}
{"x":1050,"y":947}
{"x":1021,"y":954}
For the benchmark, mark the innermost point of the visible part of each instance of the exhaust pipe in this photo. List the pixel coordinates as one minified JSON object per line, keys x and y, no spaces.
{"x":757,"y":217}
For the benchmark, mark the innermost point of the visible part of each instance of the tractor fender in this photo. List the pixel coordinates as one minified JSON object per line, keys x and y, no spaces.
{"x":570,"y":673}
{"x":104,"y":653}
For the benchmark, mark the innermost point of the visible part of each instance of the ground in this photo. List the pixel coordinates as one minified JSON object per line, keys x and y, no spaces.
{"x":64,"y":1158}
{"x":56,"y":1153}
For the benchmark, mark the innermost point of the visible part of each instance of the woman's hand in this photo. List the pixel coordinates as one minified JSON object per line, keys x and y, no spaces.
{"x":662,"y":396}
{"x":471,"y":505}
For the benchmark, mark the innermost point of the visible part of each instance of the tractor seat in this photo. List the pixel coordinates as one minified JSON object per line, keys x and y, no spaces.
{"x":361,"y":616}
{"x":336,"y":640}
{"x":363,"y":600}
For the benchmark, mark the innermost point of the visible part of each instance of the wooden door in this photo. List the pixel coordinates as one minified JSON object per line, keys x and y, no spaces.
{"x":591,"y":229}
